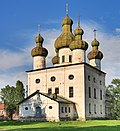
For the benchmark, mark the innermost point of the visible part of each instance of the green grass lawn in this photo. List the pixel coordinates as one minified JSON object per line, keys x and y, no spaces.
{"x":91,"y":125}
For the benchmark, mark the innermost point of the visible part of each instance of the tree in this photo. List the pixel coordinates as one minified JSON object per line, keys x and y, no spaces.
{"x":11,"y":96}
{"x":113,"y":91}
{"x":8,"y":97}
{"x":20,"y":93}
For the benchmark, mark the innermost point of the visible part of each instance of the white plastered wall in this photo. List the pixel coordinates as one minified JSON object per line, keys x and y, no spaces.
{"x":39,"y":62}
{"x":98,"y":84}
{"x":64,"y":52}
{"x":44,"y":103}
{"x":78,"y":55}
{"x":96,"y":63}
{"x":62,"y":82}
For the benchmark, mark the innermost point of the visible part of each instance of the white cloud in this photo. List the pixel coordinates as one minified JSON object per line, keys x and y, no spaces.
{"x":109,"y":45}
{"x":10,"y":59}
{"x":10,"y":78}
{"x":117,"y":30}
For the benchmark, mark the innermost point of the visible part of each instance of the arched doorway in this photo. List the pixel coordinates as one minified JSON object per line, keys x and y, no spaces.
{"x":38,"y":111}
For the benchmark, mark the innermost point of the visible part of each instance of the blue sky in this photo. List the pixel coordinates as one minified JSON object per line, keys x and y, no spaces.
{"x":19,"y":21}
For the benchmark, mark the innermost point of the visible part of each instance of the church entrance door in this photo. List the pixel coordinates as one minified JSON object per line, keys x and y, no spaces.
{"x":38,"y":111}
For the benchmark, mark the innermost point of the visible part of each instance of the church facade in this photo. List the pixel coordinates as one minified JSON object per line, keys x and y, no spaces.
{"x":72,"y":88}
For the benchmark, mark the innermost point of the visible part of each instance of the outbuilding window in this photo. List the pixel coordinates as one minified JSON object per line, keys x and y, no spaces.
{"x":57,"y":90}
{"x":26,"y":108}
{"x":49,"y":91}
{"x":62,"y":109}
{"x":50,"y":107}
{"x":65,"y":109}
{"x":69,"y":109}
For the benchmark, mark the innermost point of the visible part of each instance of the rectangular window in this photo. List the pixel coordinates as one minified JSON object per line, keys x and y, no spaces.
{"x":100,"y":94}
{"x":65,"y":109}
{"x":94,"y":93}
{"x":69,"y":109}
{"x":56,"y":90}
{"x":62,"y":109}
{"x":89,"y":92}
{"x":70,"y":58}
{"x":100,"y":109}
{"x":49,"y":91}
{"x":89,"y":108}
{"x":70,"y":91}
{"x":95,"y":108}
{"x":63,"y":58}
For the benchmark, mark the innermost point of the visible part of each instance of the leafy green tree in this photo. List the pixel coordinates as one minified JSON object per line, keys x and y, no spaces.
{"x":20,"y":93}
{"x":11,"y":96}
{"x":8,"y":97}
{"x":113,"y":91}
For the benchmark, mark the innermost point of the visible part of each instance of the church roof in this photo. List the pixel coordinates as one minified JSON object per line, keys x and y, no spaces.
{"x":53,"y":67}
{"x":54,"y":97}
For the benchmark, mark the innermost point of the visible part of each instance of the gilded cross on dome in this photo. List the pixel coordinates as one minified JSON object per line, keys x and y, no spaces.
{"x":39,"y":28}
{"x":78,"y":20}
{"x":66,"y":8}
{"x":94,"y":33}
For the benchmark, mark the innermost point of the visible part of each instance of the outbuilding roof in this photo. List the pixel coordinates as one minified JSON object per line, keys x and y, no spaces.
{"x":54,"y":97}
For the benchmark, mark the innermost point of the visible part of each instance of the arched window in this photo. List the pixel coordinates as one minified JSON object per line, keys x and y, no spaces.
{"x":94,"y":93}
{"x":89,"y":92}
{"x":63,"y":58}
{"x":88,"y":78}
{"x":90,"y":108}
{"x":100,"y":94}
{"x":95,"y":108}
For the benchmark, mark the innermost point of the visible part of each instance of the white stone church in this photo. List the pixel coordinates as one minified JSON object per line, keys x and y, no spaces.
{"x":72,"y":88}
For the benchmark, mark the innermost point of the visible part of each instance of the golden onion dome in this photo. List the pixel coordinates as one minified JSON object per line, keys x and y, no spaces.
{"x":64,"y":40}
{"x":39,"y":51}
{"x":39,"y":39}
{"x":67,"y":21}
{"x":78,"y":44}
{"x":78,"y":31}
{"x":95,"y":54}
{"x":55,"y":60}
{"x":95,"y":42}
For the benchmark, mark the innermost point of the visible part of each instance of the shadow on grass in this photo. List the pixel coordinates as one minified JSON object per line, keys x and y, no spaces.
{"x":93,"y":128}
